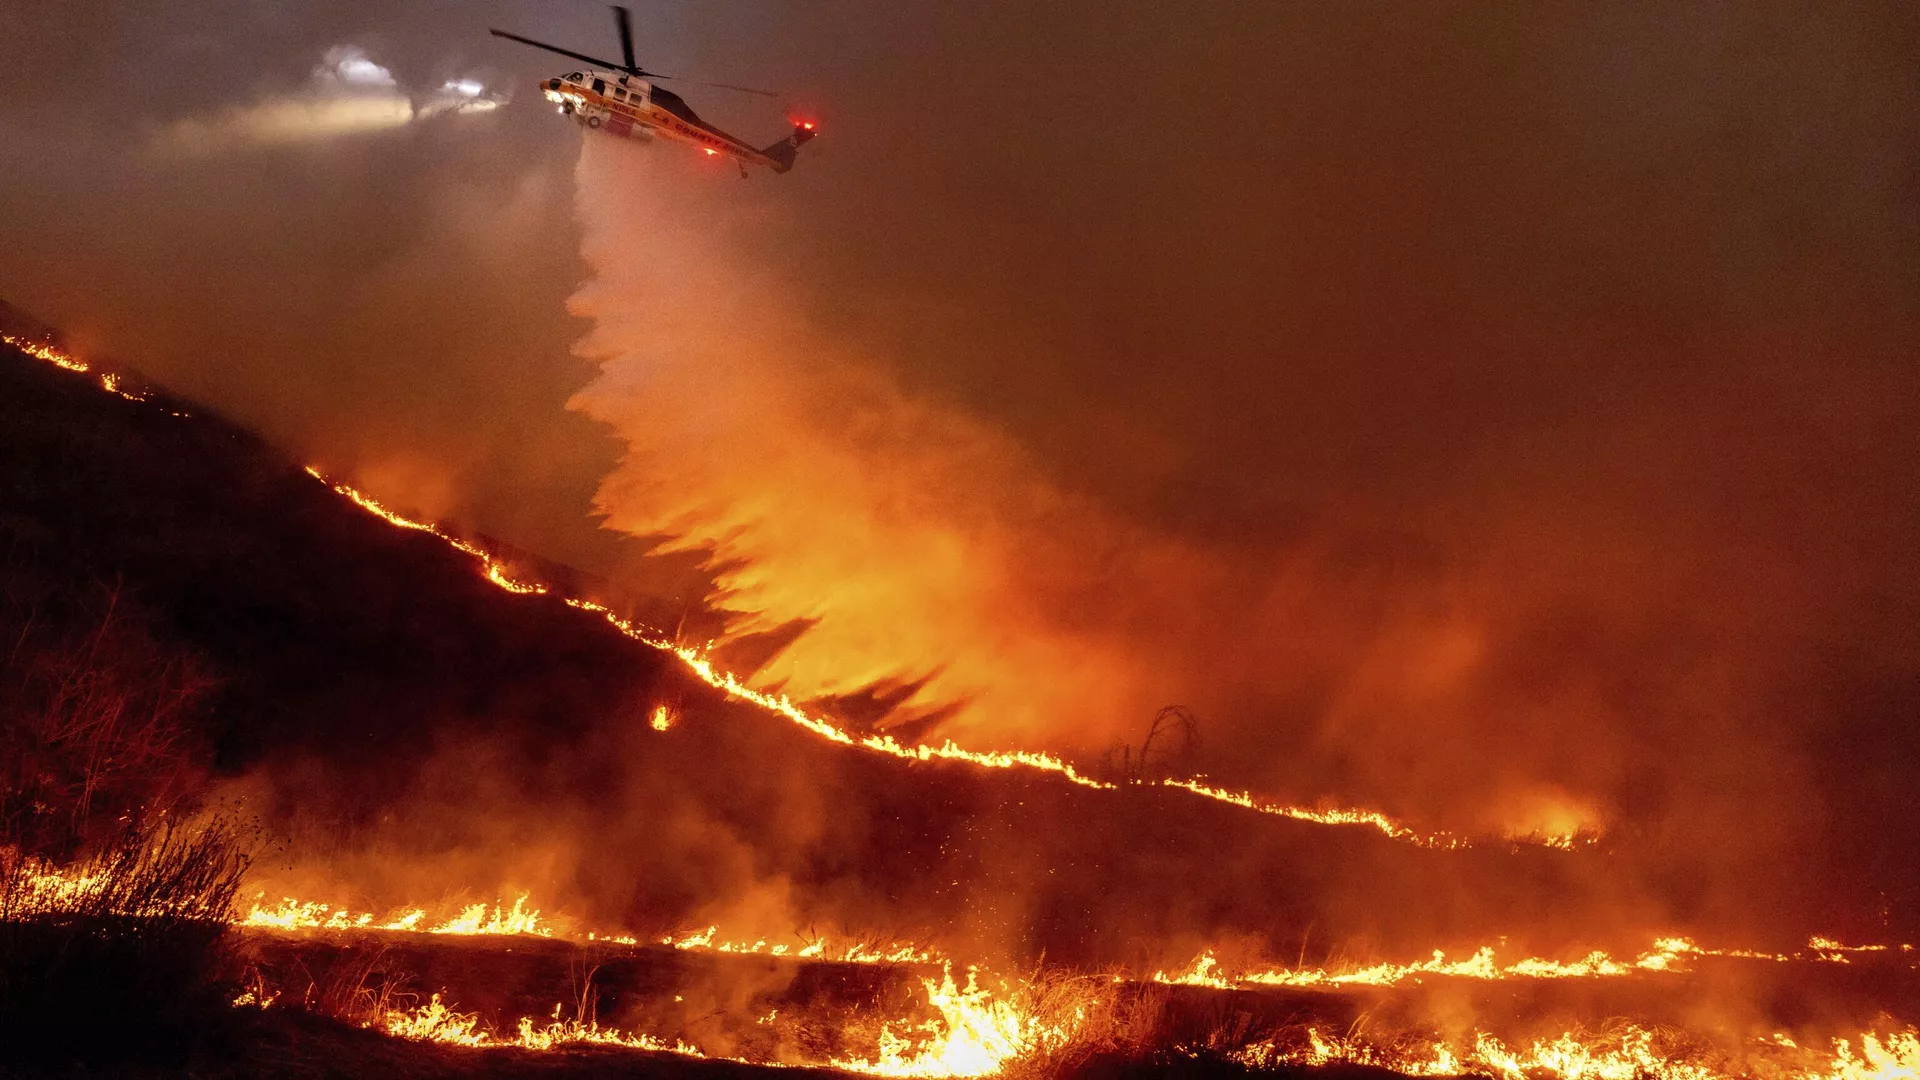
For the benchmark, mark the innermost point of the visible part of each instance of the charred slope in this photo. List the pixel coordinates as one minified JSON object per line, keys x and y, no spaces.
{"x":329,"y":630}
{"x":411,"y":730}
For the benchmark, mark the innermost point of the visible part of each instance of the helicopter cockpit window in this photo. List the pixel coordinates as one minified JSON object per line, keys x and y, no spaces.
{"x":573,"y":75}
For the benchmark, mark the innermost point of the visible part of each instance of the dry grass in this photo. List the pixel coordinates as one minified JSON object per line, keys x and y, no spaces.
{"x":123,"y":953}
{"x":99,"y":715}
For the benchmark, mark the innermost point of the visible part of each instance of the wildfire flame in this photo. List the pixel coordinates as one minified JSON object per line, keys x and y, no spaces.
{"x":291,"y":914}
{"x":1666,"y":954}
{"x":1628,"y":1053}
{"x":438,"y":1022}
{"x":975,"y":1034}
{"x":818,"y":949}
{"x":1480,"y":965}
{"x":41,"y":350}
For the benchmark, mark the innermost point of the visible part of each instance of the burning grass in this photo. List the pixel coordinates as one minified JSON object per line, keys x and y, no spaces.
{"x":1047,"y":1025}
{"x":1624,"y":1051}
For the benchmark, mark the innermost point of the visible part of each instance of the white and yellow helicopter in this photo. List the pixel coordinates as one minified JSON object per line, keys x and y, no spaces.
{"x":621,"y":99}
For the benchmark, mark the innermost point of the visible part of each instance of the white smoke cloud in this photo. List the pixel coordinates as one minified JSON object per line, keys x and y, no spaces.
{"x":348,"y":94}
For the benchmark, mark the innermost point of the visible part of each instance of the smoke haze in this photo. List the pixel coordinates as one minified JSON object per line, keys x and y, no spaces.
{"x":1501,"y":417}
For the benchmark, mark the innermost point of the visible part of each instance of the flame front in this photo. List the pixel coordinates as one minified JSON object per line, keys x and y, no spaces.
{"x":1628,"y":1053}
{"x":438,"y":1022}
{"x":974,"y":1033}
{"x":293,"y":915}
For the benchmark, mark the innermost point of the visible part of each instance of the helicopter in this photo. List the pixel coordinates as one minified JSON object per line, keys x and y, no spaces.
{"x":622,"y":99}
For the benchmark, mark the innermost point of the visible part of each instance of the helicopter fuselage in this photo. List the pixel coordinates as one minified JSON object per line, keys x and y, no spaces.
{"x":621,"y":99}
{"x":633,"y":108}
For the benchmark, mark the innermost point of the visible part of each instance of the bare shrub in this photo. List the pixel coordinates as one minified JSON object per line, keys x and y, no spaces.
{"x":121,"y":952}
{"x":98,"y":716}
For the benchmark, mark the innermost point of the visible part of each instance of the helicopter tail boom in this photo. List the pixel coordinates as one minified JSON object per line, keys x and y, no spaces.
{"x":782,"y":153}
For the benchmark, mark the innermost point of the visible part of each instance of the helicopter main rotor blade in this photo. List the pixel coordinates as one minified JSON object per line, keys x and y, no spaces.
{"x":621,"y":17}
{"x":722,"y":86}
{"x":567,"y":52}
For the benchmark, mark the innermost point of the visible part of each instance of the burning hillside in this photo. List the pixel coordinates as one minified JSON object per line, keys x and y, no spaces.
{"x":498,"y":812}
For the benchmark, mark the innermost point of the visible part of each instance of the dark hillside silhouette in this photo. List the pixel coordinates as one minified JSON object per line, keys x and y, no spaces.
{"x":405,"y":720}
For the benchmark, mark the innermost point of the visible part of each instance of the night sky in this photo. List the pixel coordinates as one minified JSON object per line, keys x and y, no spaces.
{"x":1502,"y":415}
